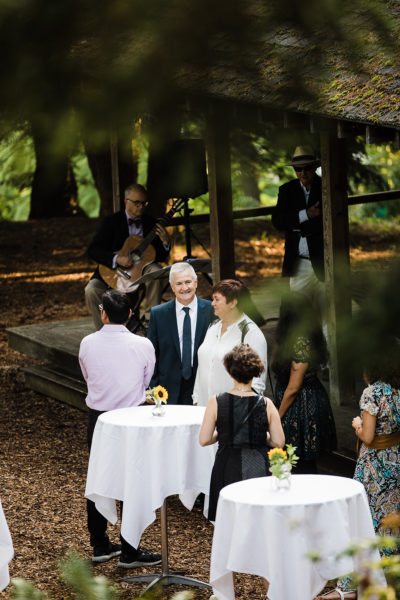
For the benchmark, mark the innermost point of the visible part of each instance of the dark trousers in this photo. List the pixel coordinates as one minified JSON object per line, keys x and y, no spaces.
{"x":186,"y":391}
{"x":97,"y":524}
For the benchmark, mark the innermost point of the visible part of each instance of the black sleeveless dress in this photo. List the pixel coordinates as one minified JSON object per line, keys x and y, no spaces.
{"x":242,"y":426}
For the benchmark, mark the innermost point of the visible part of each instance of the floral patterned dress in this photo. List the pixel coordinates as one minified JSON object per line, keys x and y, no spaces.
{"x":379,"y":470}
{"x":308,"y":424}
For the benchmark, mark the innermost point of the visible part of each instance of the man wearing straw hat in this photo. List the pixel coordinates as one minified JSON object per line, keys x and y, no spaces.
{"x":299,"y":214}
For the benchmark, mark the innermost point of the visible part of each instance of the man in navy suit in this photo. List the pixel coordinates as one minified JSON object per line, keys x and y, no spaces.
{"x":176,"y":330}
{"x":110,"y":238}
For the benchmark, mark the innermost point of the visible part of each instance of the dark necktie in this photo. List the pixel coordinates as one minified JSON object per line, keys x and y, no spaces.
{"x":136,"y":222}
{"x":187,"y":345}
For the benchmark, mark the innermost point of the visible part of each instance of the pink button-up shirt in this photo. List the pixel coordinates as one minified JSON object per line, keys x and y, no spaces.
{"x":117,"y":366}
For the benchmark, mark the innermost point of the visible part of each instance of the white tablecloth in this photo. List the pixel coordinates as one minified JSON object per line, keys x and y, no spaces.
{"x":268,"y":533}
{"x":6,"y":551}
{"x":142,"y":459}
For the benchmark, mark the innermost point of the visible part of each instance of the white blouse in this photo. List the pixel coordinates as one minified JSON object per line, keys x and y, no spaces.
{"x":212,"y":377}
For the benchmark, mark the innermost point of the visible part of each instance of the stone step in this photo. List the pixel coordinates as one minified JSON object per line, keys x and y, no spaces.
{"x":55,"y":384}
{"x":54,"y":343}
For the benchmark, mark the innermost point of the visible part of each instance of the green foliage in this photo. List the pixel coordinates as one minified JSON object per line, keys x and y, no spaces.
{"x":25,"y":590}
{"x":88,"y":197}
{"x":384,"y":163}
{"x":364,"y":577}
{"x":77,"y":574}
{"x":17,"y":165}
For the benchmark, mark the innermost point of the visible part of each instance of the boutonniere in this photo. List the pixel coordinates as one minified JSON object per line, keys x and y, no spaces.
{"x":244,"y":328}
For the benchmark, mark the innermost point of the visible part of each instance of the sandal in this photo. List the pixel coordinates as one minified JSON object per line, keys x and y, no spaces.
{"x":339,"y":595}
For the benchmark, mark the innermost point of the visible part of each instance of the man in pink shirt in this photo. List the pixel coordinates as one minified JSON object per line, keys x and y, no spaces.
{"x":117,"y":366}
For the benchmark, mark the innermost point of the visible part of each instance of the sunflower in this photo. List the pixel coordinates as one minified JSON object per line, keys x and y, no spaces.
{"x":277,"y":453}
{"x":160,"y":394}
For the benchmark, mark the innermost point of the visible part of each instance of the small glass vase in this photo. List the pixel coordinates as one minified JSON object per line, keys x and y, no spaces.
{"x":284,"y":481}
{"x":158,"y":410}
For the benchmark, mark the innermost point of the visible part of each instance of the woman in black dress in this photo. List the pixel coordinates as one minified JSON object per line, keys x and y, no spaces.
{"x":244,"y":424}
{"x":303,"y":403}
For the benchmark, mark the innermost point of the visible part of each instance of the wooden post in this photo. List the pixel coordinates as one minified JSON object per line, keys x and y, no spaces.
{"x":220,"y":192}
{"x":337,"y":261}
{"x":115,"y":172}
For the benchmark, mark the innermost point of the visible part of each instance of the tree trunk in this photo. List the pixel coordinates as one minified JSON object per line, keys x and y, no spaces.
{"x":100,"y":165}
{"x":54,"y":189}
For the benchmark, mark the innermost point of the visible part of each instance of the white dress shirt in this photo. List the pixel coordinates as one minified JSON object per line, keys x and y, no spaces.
{"x":303,"y":244}
{"x":180,"y":316}
{"x":212,"y":377}
{"x":117,"y":366}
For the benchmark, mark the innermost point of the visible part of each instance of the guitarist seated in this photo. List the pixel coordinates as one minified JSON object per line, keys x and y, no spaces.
{"x":117,"y":235}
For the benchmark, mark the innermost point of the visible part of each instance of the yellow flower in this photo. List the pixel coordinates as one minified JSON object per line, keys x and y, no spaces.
{"x":160,"y":393}
{"x":277,"y":452}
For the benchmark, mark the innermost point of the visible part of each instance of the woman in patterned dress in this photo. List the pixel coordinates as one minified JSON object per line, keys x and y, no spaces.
{"x":378,"y":464}
{"x":303,"y":403}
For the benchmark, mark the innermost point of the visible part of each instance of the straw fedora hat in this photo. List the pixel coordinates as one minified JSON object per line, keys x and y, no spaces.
{"x":303,"y":155}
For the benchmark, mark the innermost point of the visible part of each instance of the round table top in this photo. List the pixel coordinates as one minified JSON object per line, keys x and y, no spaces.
{"x":141,"y":459}
{"x":141,"y":416}
{"x":305,"y":490}
{"x":267,"y":532}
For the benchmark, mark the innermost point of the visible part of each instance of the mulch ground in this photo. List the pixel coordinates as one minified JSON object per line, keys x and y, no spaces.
{"x":43,"y":456}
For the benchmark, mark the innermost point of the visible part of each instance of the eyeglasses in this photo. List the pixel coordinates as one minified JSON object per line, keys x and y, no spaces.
{"x":138,"y":203}
{"x":100,"y":307}
{"x":306,"y":168}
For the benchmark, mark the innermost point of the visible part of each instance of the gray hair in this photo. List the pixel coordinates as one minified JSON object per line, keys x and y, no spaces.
{"x":135,"y":186}
{"x":179,"y":268}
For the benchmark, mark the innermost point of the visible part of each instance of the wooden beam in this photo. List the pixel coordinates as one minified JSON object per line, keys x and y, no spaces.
{"x":336,"y":252}
{"x":220,"y":192}
{"x":374,"y":197}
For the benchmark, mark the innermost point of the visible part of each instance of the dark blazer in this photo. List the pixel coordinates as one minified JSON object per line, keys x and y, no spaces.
{"x":163,"y":333}
{"x":110,"y":238}
{"x":285,"y":217}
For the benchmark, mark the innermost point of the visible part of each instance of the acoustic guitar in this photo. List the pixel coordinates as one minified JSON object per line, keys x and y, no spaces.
{"x":141,"y":253}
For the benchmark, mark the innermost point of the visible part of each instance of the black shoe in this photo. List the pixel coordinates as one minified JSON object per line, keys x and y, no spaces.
{"x":105,"y":552}
{"x":140,"y":558}
{"x":199,"y":502}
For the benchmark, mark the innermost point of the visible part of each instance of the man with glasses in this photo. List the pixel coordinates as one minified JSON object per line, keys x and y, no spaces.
{"x":299,"y":214}
{"x":117,"y":366}
{"x":110,"y":238}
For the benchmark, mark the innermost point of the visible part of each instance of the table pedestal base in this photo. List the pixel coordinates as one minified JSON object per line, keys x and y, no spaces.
{"x":166,"y":577}
{"x":169,"y":578}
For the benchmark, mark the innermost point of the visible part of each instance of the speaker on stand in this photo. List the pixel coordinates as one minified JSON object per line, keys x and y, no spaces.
{"x":180,"y":172}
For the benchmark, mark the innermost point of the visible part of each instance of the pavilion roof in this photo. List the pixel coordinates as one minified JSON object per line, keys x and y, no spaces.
{"x":284,"y":75}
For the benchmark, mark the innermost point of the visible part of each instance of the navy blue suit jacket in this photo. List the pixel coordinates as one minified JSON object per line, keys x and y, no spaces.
{"x":163,"y":333}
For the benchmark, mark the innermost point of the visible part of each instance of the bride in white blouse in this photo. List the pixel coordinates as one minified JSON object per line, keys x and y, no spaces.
{"x":233,"y":327}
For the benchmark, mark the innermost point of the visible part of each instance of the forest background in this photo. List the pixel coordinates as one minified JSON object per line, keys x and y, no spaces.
{"x":81,"y":70}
